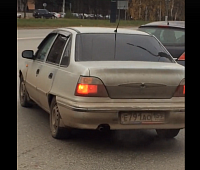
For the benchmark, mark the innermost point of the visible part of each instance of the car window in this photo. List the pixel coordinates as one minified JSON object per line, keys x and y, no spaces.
{"x":122,"y":47}
{"x":42,"y":11}
{"x":66,"y":55}
{"x":172,"y":36}
{"x":46,"y":11}
{"x":56,"y":50}
{"x":168,"y":36}
{"x":44,"y":47}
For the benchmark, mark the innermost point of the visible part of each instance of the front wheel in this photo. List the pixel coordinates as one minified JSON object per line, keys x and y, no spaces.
{"x":57,"y":131}
{"x":23,"y":94}
{"x":167,"y":133}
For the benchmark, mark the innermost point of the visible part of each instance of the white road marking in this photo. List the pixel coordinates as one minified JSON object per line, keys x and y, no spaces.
{"x":29,"y":38}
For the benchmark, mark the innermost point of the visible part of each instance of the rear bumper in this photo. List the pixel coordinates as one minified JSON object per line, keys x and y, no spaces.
{"x":91,"y":115}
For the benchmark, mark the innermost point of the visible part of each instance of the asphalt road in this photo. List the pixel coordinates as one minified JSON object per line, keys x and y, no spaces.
{"x":88,"y":150}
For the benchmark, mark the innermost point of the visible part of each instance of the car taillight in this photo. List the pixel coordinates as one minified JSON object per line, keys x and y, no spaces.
{"x":180,"y":90}
{"x":90,"y":87}
{"x":182,"y":57}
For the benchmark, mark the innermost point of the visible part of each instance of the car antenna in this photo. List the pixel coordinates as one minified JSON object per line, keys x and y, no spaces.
{"x":118,"y":23}
{"x":117,"y":26}
{"x":167,"y":21}
{"x":115,"y":35}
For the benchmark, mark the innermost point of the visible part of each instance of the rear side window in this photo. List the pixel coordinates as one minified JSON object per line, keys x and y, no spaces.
{"x":119,"y":47}
{"x":42,"y":11}
{"x":66,"y":55}
{"x":57,"y":49}
{"x":168,"y":36}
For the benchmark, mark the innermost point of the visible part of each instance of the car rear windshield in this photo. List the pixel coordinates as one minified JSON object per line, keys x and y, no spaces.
{"x":119,"y":47}
{"x":42,"y":11}
{"x":167,"y":35}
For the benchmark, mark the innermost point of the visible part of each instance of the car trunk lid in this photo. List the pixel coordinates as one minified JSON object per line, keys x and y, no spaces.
{"x":141,"y":80}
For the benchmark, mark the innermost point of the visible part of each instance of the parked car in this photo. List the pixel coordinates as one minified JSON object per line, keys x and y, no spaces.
{"x":56,"y":15}
{"x":80,"y":16}
{"x":91,"y":16}
{"x":76,"y":15}
{"x":171,"y":34}
{"x":43,"y":13}
{"x":62,"y":14}
{"x":107,"y":17}
{"x":95,"y":16}
{"x":19,"y":15}
{"x":105,"y":79}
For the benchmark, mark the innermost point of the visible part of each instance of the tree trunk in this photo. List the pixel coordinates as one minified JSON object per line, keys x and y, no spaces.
{"x":160,"y":12}
{"x":172,"y":7}
{"x":176,"y":14}
{"x":25,"y":10}
{"x":24,"y":2}
{"x":19,"y":6}
{"x":146,"y":14}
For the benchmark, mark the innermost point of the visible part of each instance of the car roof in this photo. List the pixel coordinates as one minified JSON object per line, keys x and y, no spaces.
{"x":177,"y":24}
{"x":42,"y":9}
{"x":103,"y":30}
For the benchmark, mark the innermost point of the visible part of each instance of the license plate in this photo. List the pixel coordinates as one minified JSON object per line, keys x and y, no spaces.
{"x":141,"y":118}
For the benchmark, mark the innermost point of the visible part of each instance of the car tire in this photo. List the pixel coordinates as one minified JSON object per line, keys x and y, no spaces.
{"x":57,"y":132}
{"x":23,"y":94}
{"x":167,"y":133}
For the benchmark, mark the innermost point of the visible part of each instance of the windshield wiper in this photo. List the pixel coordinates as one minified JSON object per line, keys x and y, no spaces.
{"x":160,"y":54}
{"x":143,"y":49}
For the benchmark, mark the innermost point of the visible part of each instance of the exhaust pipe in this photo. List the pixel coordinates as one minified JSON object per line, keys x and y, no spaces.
{"x":103,"y":127}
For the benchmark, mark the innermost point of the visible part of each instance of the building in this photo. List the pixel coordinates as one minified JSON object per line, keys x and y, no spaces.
{"x":30,"y":6}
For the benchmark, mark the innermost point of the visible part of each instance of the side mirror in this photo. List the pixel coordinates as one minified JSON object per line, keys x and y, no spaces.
{"x":29,"y":54}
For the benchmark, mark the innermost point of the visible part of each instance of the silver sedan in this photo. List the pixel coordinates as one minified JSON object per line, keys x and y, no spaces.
{"x":105,"y":79}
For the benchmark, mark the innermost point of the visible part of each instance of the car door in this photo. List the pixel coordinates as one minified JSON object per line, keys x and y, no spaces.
{"x":35,"y":66}
{"x":47,"y":14}
{"x":49,"y":69}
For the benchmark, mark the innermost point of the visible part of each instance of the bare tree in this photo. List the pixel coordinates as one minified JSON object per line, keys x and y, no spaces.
{"x":176,"y":13}
{"x":24,"y":3}
{"x":140,"y":9}
{"x":171,"y":10}
{"x":19,"y":5}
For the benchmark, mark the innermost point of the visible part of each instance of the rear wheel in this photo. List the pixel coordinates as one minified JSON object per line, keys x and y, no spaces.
{"x":57,"y":131}
{"x":23,"y":94}
{"x":167,"y":133}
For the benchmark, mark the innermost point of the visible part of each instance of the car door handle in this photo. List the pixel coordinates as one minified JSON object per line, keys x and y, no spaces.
{"x":37,"y":71}
{"x":50,"y":76}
